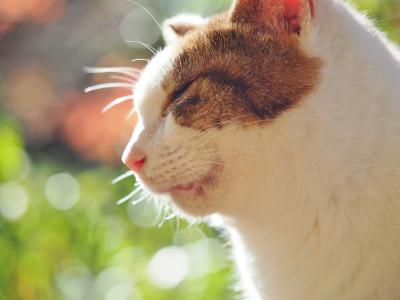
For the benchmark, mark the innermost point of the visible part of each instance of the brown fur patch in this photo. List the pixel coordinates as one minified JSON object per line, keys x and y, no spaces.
{"x":231,"y":71}
{"x":275,"y":16}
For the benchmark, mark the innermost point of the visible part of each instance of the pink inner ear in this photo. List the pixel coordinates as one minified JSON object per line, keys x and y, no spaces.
{"x":272,"y":12}
{"x":293,"y":13}
{"x":293,"y":7}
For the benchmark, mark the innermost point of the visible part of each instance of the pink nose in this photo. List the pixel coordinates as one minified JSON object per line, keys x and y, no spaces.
{"x":135,"y":161}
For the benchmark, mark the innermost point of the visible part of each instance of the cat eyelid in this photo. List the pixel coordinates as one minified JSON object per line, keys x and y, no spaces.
{"x":217,"y":75}
{"x":182,"y":88}
{"x":178,"y":92}
{"x":193,"y":100}
{"x":176,"y":95}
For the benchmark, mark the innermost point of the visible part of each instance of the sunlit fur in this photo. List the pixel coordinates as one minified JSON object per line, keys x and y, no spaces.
{"x":312,"y":197}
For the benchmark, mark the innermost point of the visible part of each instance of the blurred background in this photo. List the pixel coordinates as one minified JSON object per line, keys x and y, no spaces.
{"x":62,"y":233}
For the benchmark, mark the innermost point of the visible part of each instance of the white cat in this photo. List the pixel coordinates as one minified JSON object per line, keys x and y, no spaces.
{"x":282,"y":116}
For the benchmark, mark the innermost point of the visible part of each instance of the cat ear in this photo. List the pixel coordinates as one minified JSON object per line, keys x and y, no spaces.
{"x":278,"y":16}
{"x":177,"y":27}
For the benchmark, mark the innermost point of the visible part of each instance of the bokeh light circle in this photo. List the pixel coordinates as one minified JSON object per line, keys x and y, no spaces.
{"x":13,"y":201}
{"x":206,"y":256}
{"x":122,"y":291}
{"x":114,"y":284}
{"x":169,"y":267}
{"x":62,"y":191}
{"x":74,"y":281}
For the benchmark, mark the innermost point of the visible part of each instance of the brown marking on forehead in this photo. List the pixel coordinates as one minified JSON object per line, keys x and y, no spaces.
{"x":229,"y":71}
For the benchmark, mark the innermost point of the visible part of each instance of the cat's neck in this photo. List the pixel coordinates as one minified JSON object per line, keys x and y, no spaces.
{"x":328,"y":184}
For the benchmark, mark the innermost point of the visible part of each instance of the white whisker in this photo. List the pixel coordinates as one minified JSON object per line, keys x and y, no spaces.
{"x":110,"y":85}
{"x":131,"y":113}
{"x":148,"y":47}
{"x":140,"y":200}
{"x":163,"y":216}
{"x":178,"y":223}
{"x":140,"y":59}
{"x":129,"y":196}
{"x":116,"y":102}
{"x":124,"y":78}
{"x":122,"y":177}
{"x":132,"y":72}
{"x":170,"y":217}
{"x":148,"y":12}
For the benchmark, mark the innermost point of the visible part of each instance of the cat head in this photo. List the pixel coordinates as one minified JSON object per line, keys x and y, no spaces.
{"x":206,"y":101}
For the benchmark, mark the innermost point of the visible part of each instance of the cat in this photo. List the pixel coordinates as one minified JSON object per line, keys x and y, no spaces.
{"x":283,"y":118}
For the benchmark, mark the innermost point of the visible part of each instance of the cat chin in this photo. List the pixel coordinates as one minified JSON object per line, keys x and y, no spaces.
{"x":200,"y":204}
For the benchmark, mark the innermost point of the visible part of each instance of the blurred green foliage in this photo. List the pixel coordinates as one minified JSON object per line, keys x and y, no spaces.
{"x":385,"y":13}
{"x":85,"y":251}
{"x":86,"y":246}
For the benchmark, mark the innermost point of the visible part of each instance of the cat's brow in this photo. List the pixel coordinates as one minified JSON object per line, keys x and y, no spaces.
{"x":217,"y":75}
{"x":224,"y":77}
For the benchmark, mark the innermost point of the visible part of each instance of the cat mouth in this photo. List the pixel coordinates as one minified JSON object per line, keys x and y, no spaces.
{"x":186,"y":188}
{"x":197,"y":187}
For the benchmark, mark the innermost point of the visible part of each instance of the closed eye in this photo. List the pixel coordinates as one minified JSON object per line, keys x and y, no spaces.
{"x":176,"y":96}
{"x":193,"y":100}
{"x":178,"y":93}
{"x":217,"y":75}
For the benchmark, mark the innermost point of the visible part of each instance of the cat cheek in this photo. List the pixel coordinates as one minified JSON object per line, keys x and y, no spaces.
{"x":171,"y":130}
{"x":169,"y":126}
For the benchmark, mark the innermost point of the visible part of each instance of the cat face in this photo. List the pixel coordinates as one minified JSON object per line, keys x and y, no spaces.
{"x":205,"y":99}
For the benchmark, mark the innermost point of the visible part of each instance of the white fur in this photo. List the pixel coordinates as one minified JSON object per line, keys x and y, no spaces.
{"x":313,"y":197}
